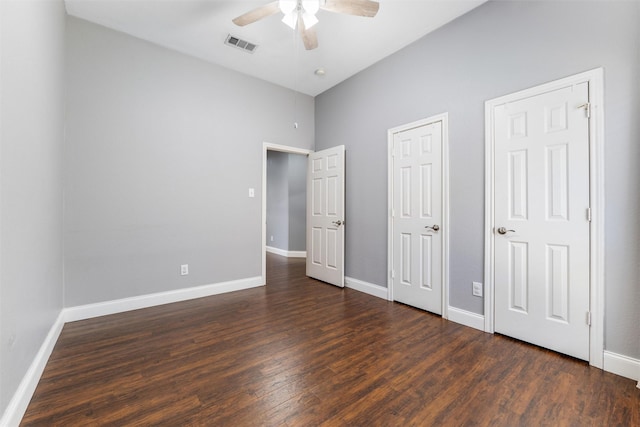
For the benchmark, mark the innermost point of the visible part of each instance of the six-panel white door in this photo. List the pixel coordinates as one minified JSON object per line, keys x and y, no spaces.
{"x":417,"y":217}
{"x":325,"y":216}
{"x":541,"y":225}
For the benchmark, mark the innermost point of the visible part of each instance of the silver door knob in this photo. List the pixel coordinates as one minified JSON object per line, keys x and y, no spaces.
{"x":503,"y":230}
{"x":337,"y":223}
{"x":433,"y":227}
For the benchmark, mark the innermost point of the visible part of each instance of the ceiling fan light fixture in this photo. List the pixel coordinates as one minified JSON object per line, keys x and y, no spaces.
{"x":291,"y":19}
{"x":302,"y":14}
{"x":309,"y":20}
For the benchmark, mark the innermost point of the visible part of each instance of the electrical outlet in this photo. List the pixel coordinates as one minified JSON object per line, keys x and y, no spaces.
{"x":272,"y":238}
{"x":184,"y":269}
{"x":252,"y":192}
{"x":477,"y":289}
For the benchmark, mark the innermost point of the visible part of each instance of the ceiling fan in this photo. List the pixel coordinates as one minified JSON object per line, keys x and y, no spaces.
{"x":302,"y":14}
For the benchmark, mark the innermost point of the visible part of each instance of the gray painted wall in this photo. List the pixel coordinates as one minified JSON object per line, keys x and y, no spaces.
{"x":161,"y":151}
{"x":286,"y":200}
{"x":278,"y":200}
{"x":31,"y":138}
{"x":496,"y":49}
{"x":297,"y":172}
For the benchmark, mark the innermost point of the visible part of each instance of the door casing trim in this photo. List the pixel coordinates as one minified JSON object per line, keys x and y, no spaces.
{"x":595,"y":79}
{"x":444,"y":118}
{"x":267,"y":146}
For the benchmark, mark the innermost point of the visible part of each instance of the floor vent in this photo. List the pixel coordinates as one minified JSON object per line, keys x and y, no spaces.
{"x":240,"y":44}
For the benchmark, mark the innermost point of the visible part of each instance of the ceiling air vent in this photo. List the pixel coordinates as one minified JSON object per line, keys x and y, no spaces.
{"x":240,"y":44}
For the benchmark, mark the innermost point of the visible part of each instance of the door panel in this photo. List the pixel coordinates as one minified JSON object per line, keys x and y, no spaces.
{"x":417,"y":205}
{"x":325,"y":216}
{"x":541,"y":200}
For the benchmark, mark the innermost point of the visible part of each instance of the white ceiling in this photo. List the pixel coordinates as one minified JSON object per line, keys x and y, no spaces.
{"x":347,"y":44}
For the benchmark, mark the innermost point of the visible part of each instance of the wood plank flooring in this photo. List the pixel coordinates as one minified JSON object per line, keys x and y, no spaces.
{"x":302,"y":353}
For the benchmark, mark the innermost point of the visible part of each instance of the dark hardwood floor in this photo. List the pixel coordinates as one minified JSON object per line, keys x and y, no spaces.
{"x":302,"y":353}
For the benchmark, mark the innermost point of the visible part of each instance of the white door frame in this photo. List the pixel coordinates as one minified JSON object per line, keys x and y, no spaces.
{"x":267,"y":146}
{"x":444,"y":118}
{"x":596,"y":195}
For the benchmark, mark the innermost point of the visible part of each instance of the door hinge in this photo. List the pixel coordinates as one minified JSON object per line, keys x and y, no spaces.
{"x":589,"y":214}
{"x":588,"y":318}
{"x":393,"y":274}
{"x":587,"y":109}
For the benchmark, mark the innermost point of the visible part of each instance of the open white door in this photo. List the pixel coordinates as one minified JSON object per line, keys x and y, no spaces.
{"x":325,"y":216}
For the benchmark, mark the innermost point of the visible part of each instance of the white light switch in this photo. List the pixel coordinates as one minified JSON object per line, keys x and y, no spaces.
{"x":252,"y":192}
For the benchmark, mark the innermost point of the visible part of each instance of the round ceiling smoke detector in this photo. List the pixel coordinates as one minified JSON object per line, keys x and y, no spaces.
{"x":320,"y":72}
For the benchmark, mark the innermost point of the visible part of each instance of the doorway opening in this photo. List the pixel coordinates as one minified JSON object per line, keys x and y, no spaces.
{"x":286,"y":204}
{"x":284,"y":172}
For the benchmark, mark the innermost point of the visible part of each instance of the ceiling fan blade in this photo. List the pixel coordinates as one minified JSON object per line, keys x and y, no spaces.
{"x":366,"y":8}
{"x":257,"y":14}
{"x":309,"y":36}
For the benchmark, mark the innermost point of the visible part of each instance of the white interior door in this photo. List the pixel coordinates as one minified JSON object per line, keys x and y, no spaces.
{"x":541,"y":219}
{"x":417,"y":217}
{"x":325,"y":216}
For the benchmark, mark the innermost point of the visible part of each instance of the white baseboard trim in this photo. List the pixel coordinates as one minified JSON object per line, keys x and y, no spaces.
{"x":288,"y":254}
{"x":467,"y":318}
{"x":89,"y":311}
{"x":18,"y":405}
{"x":366,"y":287}
{"x":624,"y":366}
